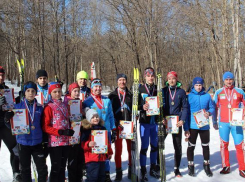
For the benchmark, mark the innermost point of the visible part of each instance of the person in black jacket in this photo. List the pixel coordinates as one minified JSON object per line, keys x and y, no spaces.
{"x":121,"y":100}
{"x":148,"y":126}
{"x":175,"y":103}
{"x":6,"y":135}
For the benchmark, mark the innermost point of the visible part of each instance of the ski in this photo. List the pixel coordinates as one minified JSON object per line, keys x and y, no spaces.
{"x":161,"y":144}
{"x":21,"y":67}
{"x":34,"y":169}
{"x":93,"y":73}
{"x":135,"y":176}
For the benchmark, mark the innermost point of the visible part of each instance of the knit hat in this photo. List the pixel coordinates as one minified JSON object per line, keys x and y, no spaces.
{"x":28,"y":85}
{"x":90,"y":113}
{"x":121,"y":76}
{"x":96,"y":81}
{"x":172,"y":74}
{"x":228,"y":75}
{"x":72,"y":87}
{"x":2,"y":70}
{"x":197,"y":80}
{"x":149,"y":71}
{"x":52,"y":86}
{"x":82,"y":74}
{"x":41,"y":73}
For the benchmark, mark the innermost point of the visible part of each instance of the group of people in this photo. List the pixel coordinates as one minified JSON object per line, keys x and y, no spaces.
{"x":50,"y":126}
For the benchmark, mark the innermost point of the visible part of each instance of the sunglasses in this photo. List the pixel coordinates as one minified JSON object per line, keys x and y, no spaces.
{"x":96,"y":81}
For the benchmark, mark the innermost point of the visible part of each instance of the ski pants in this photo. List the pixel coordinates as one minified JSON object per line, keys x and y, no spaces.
{"x":37,"y":153}
{"x":58,"y":157}
{"x":75,"y":163}
{"x":118,"y":151}
{"x":95,"y":171}
{"x":148,"y":133}
{"x":177,"y":138}
{"x":205,"y":138}
{"x":237,"y":133}
{"x":10,"y":142}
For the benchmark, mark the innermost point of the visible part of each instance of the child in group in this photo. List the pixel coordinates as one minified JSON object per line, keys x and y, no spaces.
{"x":56,"y":124}
{"x":31,"y":144}
{"x":76,"y":154}
{"x":95,"y":163}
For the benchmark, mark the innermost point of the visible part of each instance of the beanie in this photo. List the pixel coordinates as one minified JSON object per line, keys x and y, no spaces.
{"x":172,"y":74}
{"x":96,"y":81}
{"x":228,"y":75}
{"x":41,"y":73}
{"x":197,"y":80}
{"x":52,"y":86}
{"x":90,"y":113}
{"x":149,"y":71}
{"x":82,"y":74}
{"x":28,"y":85}
{"x":2,"y":70}
{"x":121,"y":76}
{"x":72,"y":87}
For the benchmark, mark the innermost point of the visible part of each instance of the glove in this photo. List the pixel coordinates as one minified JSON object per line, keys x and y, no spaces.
{"x":8,"y":115}
{"x":2,"y":100}
{"x":67,"y":132}
{"x":120,"y":127}
{"x":113,"y":136}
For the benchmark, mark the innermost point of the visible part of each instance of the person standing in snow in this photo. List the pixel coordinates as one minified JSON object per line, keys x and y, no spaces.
{"x":198,"y":99}
{"x":121,"y":100}
{"x":82,"y":78}
{"x":175,"y":103}
{"x":227,"y":98}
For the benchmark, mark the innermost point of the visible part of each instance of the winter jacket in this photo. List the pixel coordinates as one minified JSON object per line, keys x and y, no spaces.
{"x":180,"y":107}
{"x":36,"y":136}
{"x":222,"y":102}
{"x":86,"y":138}
{"x":106,"y":113}
{"x":85,"y":91}
{"x":44,"y":90}
{"x":53,"y":120}
{"x":142,"y":96}
{"x":2,"y":113}
{"x":197,"y":101}
{"x":116,"y":106}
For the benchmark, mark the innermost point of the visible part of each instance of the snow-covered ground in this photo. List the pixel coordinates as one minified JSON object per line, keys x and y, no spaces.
{"x":6,"y":172}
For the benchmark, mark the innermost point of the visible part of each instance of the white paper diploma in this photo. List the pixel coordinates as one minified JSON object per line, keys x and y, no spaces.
{"x":75,"y":139}
{"x":100,"y":137}
{"x":200,"y":118}
{"x":172,"y":124}
{"x":153,"y":106}
{"x":39,"y":98}
{"x":237,"y":116}
{"x":10,"y":100}
{"x":20,"y":122}
{"x":127,"y":132}
{"x":75,"y":110}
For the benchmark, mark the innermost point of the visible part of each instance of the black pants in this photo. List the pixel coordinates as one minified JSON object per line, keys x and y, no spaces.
{"x":95,"y":171}
{"x":75,"y":163}
{"x":58,"y":157}
{"x":10,"y":142}
{"x":205,"y":138}
{"x":37,"y":153}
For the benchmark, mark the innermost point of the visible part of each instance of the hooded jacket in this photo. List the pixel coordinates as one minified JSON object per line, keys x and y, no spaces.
{"x":2,"y":113}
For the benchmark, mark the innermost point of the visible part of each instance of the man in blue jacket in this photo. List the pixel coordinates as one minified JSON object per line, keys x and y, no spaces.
{"x":175,"y":104}
{"x":198,"y":99}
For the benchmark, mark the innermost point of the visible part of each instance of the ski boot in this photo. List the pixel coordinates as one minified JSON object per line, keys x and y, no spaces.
{"x":207,"y":170}
{"x":177,"y":173}
{"x":129,"y":172}
{"x":153,"y":171}
{"x":191,"y":170}
{"x":118,"y":175}
{"x":107,"y":176}
{"x":225,"y":170}
{"x":143,"y":174}
{"x":242,"y":173}
{"x":17,"y":177}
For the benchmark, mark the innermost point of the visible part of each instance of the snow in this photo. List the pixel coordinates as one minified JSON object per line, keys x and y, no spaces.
{"x":6,"y":172}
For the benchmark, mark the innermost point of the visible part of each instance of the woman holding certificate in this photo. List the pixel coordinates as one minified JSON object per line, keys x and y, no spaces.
{"x":201,"y":106}
{"x":228,"y":101}
{"x":175,"y":109}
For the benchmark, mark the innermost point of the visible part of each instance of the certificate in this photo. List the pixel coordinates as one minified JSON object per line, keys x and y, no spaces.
{"x":75,"y":139}
{"x":237,"y":118}
{"x":153,"y":106}
{"x":39,"y":98}
{"x":172,"y":124}
{"x":82,"y":96}
{"x":10,"y":100}
{"x":100,"y":137}
{"x":75,"y":110}
{"x":20,"y":122}
{"x":200,"y":118}
{"x":127,"y":132}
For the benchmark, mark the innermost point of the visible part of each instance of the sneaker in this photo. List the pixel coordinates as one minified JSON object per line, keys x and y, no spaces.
{"x":191,"y":170}
{"x":225,"y":170}
{"x":17,"y":177}
{"x":107,"y":177}
{"x":118,"y":175}
{"x":207,"y":170}
{"x":154,"y":172}
{"x":129,"y":172}
{"x":177,"y":173}
{"x":143,"y":174}
{"x":242,"y":173}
